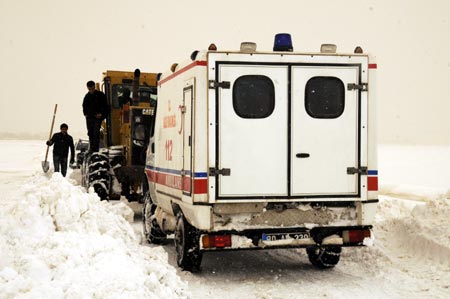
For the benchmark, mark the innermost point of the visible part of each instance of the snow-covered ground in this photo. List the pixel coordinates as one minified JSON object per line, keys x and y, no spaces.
{"x":57,"y":241}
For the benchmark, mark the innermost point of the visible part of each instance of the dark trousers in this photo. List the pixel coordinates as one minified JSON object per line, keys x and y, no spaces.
{"x":93,"y":126}
{"x":60,"y":161}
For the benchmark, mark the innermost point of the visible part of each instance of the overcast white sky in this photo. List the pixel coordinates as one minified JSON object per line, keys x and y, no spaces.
{"x":50,"y":48}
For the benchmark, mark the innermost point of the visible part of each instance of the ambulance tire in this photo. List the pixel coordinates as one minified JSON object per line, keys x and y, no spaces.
{"x":324,"y":257}
{"x":186,"y":238}
{"x":152,"y":232}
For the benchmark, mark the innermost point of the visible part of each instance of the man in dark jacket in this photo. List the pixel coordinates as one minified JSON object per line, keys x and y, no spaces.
{"x":62,"y":142}
{"x":95,"y":109}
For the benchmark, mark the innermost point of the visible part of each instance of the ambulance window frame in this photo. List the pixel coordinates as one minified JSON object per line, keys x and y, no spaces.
{"x":329,"y":102}
{"x":244,"y":101}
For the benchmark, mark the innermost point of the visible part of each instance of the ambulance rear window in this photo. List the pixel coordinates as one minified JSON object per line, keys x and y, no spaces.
{"x":253,"y":96}
{"x":324,"y":97}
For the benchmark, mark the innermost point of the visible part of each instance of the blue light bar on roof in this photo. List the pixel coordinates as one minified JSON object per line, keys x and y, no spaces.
{"x":283,"y":42}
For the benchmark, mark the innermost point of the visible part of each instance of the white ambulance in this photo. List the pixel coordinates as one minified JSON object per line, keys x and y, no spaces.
{"x":262,"y":150}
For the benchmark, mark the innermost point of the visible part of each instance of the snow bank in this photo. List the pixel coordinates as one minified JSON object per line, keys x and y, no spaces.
{"x":415,"y":192}
{"x":416,"y":229}
{"x":56,"y":241}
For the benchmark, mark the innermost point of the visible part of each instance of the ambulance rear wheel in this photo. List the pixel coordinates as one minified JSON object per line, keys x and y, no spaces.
{"x":189,"y":256}
{"x":324,"y":257}
{"x":152,"y":232}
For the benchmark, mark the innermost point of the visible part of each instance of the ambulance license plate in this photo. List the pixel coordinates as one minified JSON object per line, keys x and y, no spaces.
{"x":284,"y":236}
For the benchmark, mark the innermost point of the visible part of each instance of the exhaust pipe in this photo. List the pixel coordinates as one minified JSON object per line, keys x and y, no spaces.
{"x":135,"y":99}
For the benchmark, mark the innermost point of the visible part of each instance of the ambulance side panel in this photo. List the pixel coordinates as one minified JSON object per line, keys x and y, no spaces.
{"x":369,"y":209}
{"x":200,"y":135}
{"x":178,"y":176}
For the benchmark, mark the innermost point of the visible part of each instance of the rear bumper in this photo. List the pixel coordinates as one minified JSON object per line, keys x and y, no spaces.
{"x":342,"y":236}
{"x":266,"y":215}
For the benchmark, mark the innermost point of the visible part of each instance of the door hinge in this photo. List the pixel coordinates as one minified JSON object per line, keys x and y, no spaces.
{"x":214,"y":84}
{"x":353,"y":170}
{"x":362,"y":86}
{"x":224,"y":171}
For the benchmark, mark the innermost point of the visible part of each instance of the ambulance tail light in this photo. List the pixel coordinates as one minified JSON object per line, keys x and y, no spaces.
{"x":355,"y":236}
{"x":283,"y":42}
{"x":216,"y":241}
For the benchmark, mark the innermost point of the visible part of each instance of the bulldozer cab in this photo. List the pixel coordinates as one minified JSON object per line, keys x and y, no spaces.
{"x":131,"y":97}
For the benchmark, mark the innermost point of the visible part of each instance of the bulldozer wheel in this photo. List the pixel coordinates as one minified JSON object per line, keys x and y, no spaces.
{"x":97,"y":175}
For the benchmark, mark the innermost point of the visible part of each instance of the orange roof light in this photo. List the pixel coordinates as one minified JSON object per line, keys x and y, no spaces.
{"x":212,"y":47}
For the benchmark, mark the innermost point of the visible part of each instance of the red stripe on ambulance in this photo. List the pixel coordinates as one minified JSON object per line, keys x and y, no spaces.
{"x":372,"y":183}
{"x":188,"y":67}
{"x":176,"y":182}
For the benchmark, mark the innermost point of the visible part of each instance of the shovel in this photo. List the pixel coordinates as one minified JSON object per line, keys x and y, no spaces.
{"x":45,"y":164}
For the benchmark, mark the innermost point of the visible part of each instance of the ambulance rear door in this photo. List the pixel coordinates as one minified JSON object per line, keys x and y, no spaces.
{"x":252,"y":131}
{"x":324,"y":130}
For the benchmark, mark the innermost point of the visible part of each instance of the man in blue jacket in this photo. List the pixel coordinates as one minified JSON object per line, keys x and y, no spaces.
{"x":62,"y":142}
{"x":95,"y":109}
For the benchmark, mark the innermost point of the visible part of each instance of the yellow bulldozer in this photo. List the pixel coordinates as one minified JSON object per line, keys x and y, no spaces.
{"x":118,"y":168}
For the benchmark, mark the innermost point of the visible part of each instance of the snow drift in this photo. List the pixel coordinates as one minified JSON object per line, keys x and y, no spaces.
{"x":57,"y":241}
{"x":416,"y":229}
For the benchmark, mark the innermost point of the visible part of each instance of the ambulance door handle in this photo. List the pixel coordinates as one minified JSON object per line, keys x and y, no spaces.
{"x":302,"y":155}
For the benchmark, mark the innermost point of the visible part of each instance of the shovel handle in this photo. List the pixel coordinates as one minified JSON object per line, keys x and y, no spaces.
{"x":53,"y":121}
{"x":51,"y":130}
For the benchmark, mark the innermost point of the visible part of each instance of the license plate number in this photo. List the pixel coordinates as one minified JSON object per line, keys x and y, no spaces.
{"x":285,"y":236}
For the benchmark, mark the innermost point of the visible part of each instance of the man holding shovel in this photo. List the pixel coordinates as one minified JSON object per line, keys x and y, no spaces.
{"x":62,"y":142}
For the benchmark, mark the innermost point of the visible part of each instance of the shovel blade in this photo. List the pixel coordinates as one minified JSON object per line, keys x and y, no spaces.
{"x":45,"y":166}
